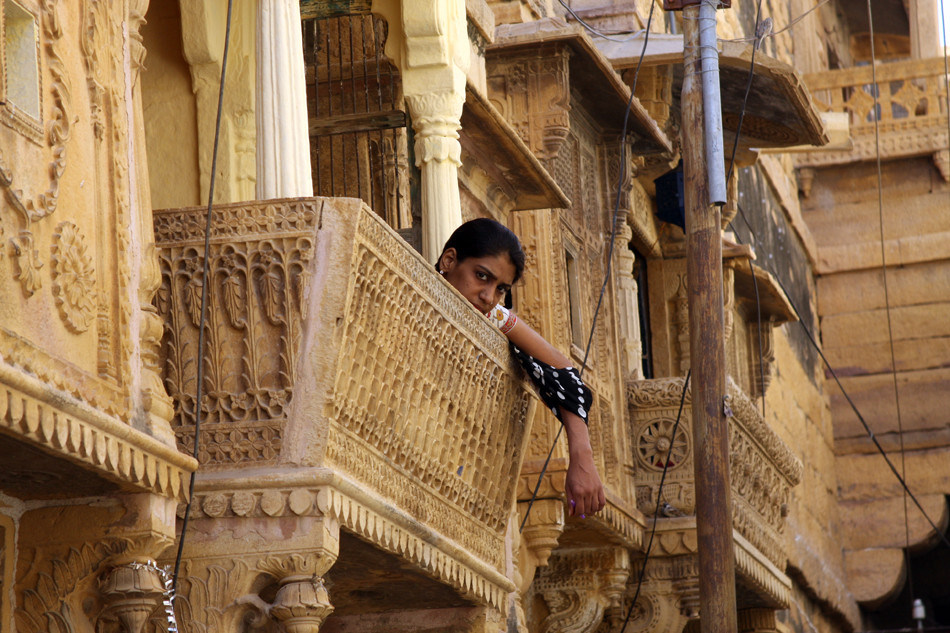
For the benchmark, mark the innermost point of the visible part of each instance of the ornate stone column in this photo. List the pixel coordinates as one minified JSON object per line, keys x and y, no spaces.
{"x":302,"y":602}
{"x":131,"y":593}
{"x":283,"y":148}
{"x":436,"y":56}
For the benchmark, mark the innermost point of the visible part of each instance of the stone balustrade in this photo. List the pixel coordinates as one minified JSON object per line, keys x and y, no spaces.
{"x":911,"y":110}
{"x":762,"y":472}
{"x":343,"y":379}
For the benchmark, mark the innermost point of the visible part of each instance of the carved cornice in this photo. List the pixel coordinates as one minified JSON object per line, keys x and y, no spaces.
{"x":474,"y":569}
{"x":31,"y":412}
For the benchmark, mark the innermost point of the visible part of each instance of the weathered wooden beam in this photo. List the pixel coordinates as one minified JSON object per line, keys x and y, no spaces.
{"x":357,"y":122}
{"x":310,"y":9}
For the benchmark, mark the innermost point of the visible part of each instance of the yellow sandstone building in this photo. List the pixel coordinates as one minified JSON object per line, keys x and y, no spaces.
{"x":367,"y":448}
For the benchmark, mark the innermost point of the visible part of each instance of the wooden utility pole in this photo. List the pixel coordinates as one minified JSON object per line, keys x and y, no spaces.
{"x":717,"y":585}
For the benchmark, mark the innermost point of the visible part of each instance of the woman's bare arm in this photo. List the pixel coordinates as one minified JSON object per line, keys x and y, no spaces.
{"x":585,"y":492}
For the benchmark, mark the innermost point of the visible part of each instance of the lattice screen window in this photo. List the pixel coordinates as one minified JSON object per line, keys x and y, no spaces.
{"x":20,"y":85}
{"x":578,"y":333}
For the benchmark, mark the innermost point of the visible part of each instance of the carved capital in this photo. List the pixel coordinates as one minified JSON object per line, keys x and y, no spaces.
{"x":436,"y":113}
{"x":580,"y":586}
{"x":543,"y":527}
{"x":131,"y":593}
{"x":302,"y":602}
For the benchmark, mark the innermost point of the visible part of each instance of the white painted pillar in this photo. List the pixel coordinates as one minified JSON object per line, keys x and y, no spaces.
{"x":435,"y":60}
{"x":283,"y":141}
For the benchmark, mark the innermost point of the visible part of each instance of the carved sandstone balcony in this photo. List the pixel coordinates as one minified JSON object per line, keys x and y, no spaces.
{"x":347,"y":386}
{"x":911,"y":111}
{"x":762,"y":471}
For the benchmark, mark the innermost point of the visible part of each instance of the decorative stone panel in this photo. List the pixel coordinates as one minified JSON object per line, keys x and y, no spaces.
{"x":762,"y":468}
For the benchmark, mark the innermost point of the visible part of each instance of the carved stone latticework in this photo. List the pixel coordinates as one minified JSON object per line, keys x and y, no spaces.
{"x":911,"y":121}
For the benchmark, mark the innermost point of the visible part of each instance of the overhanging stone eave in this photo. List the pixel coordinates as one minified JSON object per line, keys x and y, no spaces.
{"x":780,"y":111}
{"x":487,"y":134}
{"x":593,"y":79}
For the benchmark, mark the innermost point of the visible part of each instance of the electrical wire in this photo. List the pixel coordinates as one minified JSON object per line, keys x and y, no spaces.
{"x":878,"y":110}
{"x":854,"y":408}
{"x":204,"y":297}
{"x":610,"y":250}
{"x":785,"y":28}
{"x":656,"y":513}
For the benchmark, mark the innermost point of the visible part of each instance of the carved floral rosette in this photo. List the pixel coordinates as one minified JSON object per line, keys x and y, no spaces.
{"x":74,"y":278}
{"x":257,"y":270}
{"x":762,"y":468}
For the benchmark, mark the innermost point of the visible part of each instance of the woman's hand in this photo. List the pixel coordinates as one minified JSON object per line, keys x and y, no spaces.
{"x":584,"y":490}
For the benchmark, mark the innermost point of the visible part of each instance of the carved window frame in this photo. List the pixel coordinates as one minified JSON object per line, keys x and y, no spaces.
{"x":575,"y":299}
{"x":14,"y":115}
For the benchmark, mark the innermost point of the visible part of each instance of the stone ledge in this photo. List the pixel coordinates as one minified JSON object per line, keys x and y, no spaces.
{"x":31,"y":411}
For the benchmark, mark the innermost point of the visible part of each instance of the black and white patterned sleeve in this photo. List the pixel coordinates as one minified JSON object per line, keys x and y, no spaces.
{"x":557,"y":387}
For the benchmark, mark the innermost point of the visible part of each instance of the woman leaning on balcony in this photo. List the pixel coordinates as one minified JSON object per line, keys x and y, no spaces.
{"x":482,"y":259}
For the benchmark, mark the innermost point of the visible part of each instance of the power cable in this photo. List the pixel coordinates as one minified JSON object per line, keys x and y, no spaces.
{"x":204,"y":297}
{"x":834,"y":375}
{"x":610,"y":249}
{"x":656,"y":513}
{"x":878,"y":112}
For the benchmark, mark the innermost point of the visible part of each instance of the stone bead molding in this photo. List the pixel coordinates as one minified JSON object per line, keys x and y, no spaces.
{"x":370,"y":518}
{"x":96,"y":441}
{"x":762,"y":468}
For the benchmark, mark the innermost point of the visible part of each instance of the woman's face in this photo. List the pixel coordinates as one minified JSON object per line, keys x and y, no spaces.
{"x":482,"y":280}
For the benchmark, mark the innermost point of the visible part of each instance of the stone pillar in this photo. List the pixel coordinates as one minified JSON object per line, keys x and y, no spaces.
{"x":435,"y":59}
{"x":283,"y":147}
{"x":131,"y":593}
{"x":302,"y":602}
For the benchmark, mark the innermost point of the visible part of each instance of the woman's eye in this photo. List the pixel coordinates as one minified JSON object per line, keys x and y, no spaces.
{"x":481,"y":275}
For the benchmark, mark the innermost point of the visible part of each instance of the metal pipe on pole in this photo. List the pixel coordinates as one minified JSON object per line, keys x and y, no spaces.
{"x":717,"y":586}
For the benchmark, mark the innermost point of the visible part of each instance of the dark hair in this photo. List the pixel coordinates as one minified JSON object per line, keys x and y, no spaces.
{"x":484,"y":237}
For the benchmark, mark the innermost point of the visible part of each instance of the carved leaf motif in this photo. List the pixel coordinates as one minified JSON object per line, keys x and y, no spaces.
{"x":233,"y":301}
{"x":271,"y":285}
{"x":28,"y":263}
{"x":192,"y":298}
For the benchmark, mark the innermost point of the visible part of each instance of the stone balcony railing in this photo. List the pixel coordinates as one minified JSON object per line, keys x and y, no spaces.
{"x":911,"y":111}
{"x":346,"y":383}
{"x":762,"y":472}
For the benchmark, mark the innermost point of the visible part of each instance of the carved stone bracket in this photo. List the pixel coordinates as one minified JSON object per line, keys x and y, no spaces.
{"x":131,"y":593}
{"x":302,"y":602}
{"x":543,"y":528}
{"x":580,"y":585}
{"x":532,"y":91}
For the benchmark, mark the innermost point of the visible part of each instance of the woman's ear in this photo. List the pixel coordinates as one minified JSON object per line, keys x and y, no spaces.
{"x":448,"y":260}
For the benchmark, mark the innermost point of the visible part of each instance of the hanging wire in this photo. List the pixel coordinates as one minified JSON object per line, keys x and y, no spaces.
{"x":204,"y":297}
{"x":782,"y":30}
{"x":878,"y":113}
{"x":610,"y":250}
{"x":656,"y":513}
{"x":854,"y":407}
